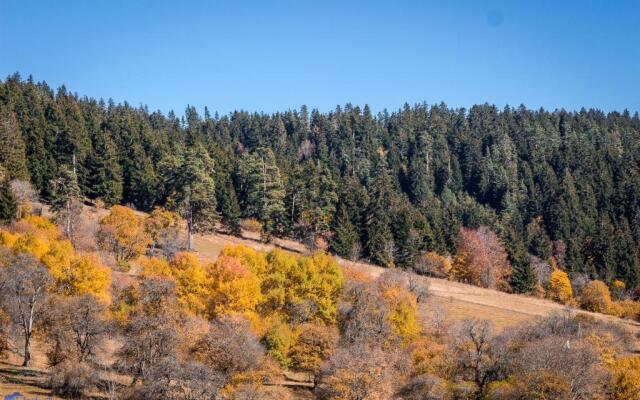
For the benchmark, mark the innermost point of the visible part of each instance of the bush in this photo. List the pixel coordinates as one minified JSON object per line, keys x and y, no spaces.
{"x":314,"y":345}
{"x":251,"y":225}
{"x":625,"y":381}
{"x":278,"y":341}
{"x":72,"y":379}
{"x":596,"y":297}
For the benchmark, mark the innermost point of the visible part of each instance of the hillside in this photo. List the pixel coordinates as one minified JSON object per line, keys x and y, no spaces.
{"x":455,"y":300}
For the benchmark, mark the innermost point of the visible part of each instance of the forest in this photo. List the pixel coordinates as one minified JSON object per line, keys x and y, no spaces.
{"x":385,"y":188}
{"x":543,"y":203}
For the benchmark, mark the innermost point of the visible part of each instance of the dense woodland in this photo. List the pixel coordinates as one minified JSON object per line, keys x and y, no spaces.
{"x":545,"y":203}
{"x":384,"y":187}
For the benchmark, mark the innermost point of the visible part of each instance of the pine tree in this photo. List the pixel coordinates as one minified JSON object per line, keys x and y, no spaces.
{"x":317,"y":202}
{"x":344,"y":241}
{"x":229,"y":208}
{"x":66,"y":200}
{"x":8,"y":204}
{"x":192,"y":190}
{"x":104,"y":176}
{"x":379,"y":244}
{"x":12,"y":147}
{"x":264,"y":190}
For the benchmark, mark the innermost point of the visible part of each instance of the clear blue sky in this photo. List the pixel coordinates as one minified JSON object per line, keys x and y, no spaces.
{"x":269,"y":56}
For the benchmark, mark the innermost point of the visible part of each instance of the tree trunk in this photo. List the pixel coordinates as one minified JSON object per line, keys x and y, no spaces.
{"x":27,"y":351}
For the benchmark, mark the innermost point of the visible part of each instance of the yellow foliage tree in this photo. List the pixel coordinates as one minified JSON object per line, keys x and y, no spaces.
{"x":123,"y":233}
{"x":154,"y":266}
{"x":32,"y":244}
{"x":192,"y":282}
{"x":255,"y":260}
{"x":402,"y":312}
{"x":313,"y":345}
{"x":559,"y":288}
{"x":73,"y":274}
{"x":158,"y":222}
{"x":307,"y":288}
{"x":596,"y":297}
{"x":233,"y":287}
{"x":86,"y":275}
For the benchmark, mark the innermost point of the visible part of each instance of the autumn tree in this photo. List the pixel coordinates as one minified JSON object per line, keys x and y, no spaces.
{"x":123,"y":233}
{"x":559,"y":287}
{"x":23,"y":192}
{"x":625,"y":381}
{"x":481,"y":259}
{"x":233,"y":288}
{"x":474,"y":355}
{"x":162,"y":227}
{"x":152,"y":332}
{"x":358,"y":371}
{"x":596,"y":296}
{"x":77,"y":327}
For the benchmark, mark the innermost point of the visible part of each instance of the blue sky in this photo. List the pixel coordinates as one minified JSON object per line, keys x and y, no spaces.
{"x":270,"y":56}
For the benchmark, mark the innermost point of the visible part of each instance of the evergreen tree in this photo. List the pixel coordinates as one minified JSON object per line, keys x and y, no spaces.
{"x":345,"y":241}
{"x":104,"y":176}
{"x":264,"y":190}
{"x":229,"y":208}
{"x":192,"y":190}
{"x":380,"y":247}
{"x":65,"y":200}
{"x":12,"y":147}
{"x":8,"y":205}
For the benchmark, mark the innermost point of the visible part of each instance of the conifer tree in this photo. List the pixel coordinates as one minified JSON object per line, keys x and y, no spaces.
{"x":229,"y":208}
{"x":264,"y":190}
{"x":8,"y":206}
{"x":192,"y":190}
{"x":66,"y":200}
{"x":104,"y":176}
{"x":12,"y":147}
{"x":379,"y":245}
{"x":345,"y":239}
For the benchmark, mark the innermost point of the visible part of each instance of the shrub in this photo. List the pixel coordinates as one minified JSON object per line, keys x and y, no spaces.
{"x":596,"y":297}
{"x":278,"y":341}
{"x":313,"y":346}
{"x":72,"y":379}
{"x":251,"y":225}
{"x":625,"y":380}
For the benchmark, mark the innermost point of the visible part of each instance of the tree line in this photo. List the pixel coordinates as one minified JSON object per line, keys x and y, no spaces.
{"x":389,"y":188}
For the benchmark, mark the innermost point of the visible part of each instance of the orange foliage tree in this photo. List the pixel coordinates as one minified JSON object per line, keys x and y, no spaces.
{"x":234,"y":289}
{"x":481,"y":259}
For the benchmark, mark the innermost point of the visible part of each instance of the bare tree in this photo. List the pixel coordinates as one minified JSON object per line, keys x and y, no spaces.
{"x":77,"y":327}
{"x":475,"y":359}
{"x":23,"y":192}
{"x":230,"y":347}
{"x":23,"y":293}
{"x":153,"y":331}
